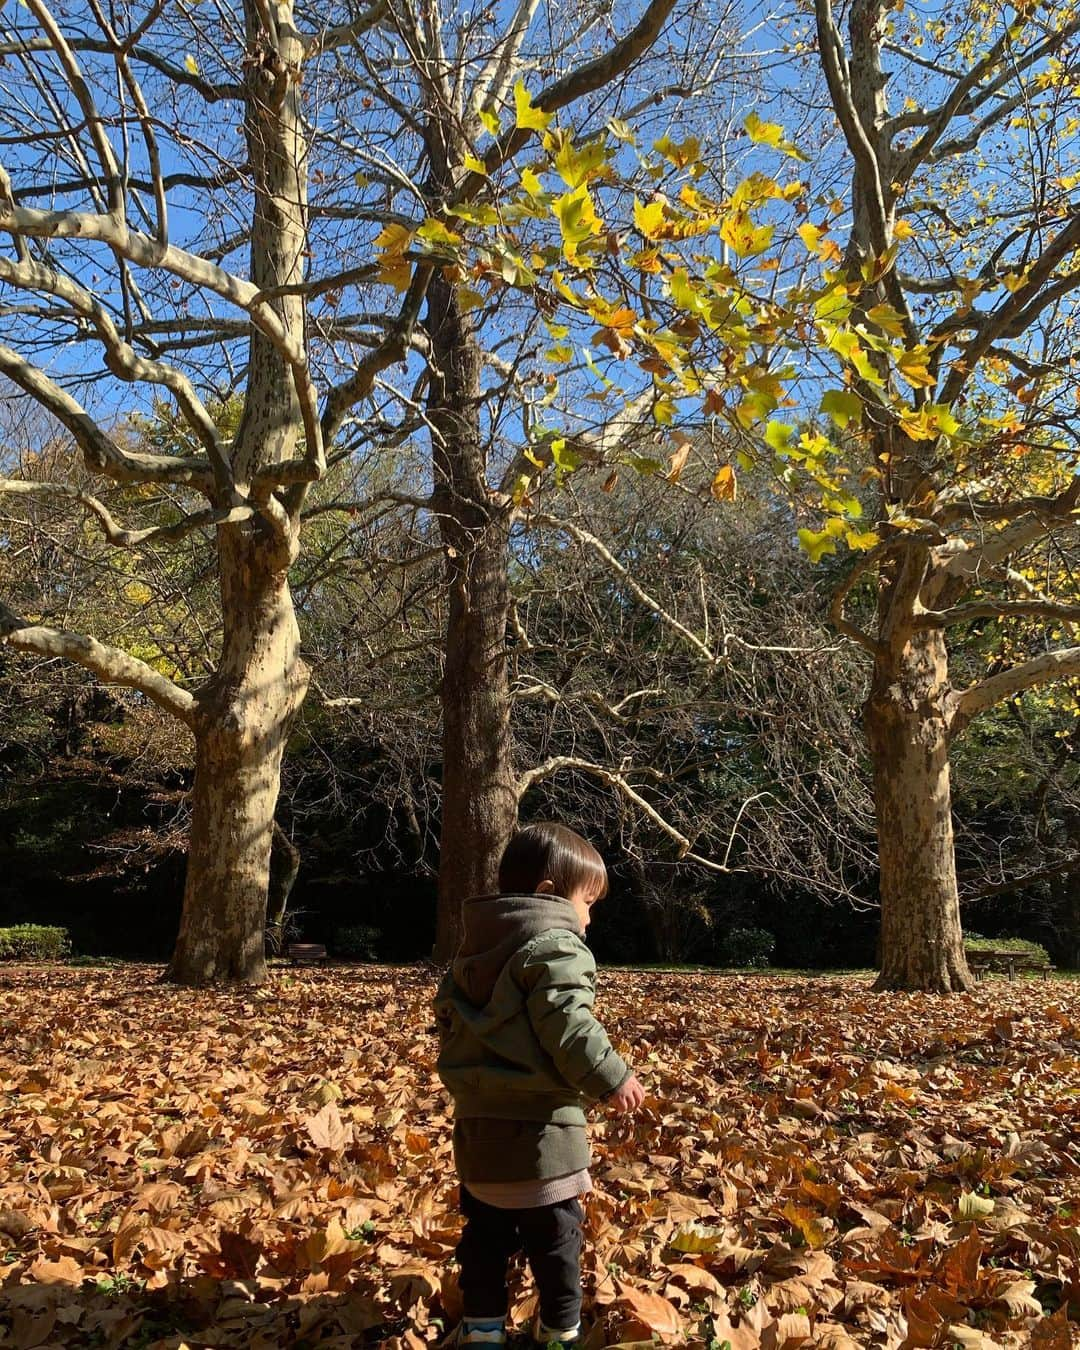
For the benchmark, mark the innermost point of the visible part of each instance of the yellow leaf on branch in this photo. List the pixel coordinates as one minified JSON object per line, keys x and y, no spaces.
{"x":771,"y":134}
{"x":724,"y":486}
{"x":649,"y":219}
{"x":913,"y":366}
{"x":528,"y":116}
{"x":577,"y":219}
{"x":743,"y":236}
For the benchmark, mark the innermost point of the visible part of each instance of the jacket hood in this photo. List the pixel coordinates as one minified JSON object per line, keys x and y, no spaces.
{"x":497,"y":926}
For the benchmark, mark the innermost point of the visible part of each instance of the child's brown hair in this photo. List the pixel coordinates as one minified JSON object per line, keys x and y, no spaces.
{"x":548,"y":851}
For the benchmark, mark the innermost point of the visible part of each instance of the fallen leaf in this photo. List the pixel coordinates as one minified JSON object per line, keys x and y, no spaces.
{"x":65,"y":1270}
{"x":652,"y":1310}
{"x":972,"y":1206}
{"x":328,"y":1130}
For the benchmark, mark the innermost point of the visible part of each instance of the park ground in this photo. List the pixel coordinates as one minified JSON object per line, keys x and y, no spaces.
{"x":816,"y":1164}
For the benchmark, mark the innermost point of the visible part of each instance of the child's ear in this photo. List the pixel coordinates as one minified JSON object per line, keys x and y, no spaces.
{"x":546,"y":887}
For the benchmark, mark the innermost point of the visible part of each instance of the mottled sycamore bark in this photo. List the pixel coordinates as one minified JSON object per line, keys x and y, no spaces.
{"x":907,"y":728}
{"x":243,"y":715}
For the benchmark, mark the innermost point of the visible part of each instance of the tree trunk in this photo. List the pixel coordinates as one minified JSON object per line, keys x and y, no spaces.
{"x":242,"y":722}
{"x":284,"y":866}
{"x":242,"y":717}
{"x":479,"y":796}
{"x":906,"y":719}
{"x":907,"y":713}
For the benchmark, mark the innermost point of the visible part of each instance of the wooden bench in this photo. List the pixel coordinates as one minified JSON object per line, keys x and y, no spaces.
{"x":301,"y":952}
{"x":1008,"y":962}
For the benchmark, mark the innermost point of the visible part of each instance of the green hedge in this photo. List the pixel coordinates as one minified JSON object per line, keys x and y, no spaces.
{"x":974,"y":943}
{"x":358,"y":942}
{"x":748,"y":948}
{"x":34,"y":942}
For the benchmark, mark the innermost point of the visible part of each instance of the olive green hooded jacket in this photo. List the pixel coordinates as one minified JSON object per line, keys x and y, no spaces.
{"x":518,"y":1039}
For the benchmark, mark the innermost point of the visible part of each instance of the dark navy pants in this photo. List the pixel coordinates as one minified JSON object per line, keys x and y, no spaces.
{"x":550,"y":1236}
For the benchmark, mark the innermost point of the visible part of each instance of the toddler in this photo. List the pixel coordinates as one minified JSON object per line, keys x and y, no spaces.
{"x":522,"y":1056}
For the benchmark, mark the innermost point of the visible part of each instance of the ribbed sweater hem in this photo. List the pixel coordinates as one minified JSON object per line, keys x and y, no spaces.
{"x":531,"y":1194}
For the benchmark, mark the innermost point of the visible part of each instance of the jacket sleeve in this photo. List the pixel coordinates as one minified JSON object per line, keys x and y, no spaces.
{"x":559,"y":975}
{"x":440,"y":1007}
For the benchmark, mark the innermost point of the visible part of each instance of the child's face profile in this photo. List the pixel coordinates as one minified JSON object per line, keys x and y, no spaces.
{"x":582,"y":897}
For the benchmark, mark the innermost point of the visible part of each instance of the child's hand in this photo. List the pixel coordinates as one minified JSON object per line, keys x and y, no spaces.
{"x":627,"y":1098}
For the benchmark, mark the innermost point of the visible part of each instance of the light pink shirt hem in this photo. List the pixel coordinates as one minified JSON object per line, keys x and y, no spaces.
{"x":531,"y":1194}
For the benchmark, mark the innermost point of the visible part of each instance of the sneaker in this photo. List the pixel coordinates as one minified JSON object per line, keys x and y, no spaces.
{"x":481,"y":1331}
{"x":551,"y":1338}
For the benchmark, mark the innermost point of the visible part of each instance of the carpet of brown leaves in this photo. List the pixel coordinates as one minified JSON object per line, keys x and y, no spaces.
{"x":815,"y":1165}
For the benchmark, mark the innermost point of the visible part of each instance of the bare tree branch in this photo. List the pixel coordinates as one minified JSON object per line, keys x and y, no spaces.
{"x":495,"y":79}
{"x":618,"y":780}
{"x":939,"y":118}
{"x":1020,"y":309}
{"x":119,"y":356}
{"x":109,"y":664}
{"x":1045,"y":669}
{"x":963,"y":558}
{"x":602,"y":551}
{"x":141,"y":249}
{"x":547,"y":692}
{"x":116,"y":534}
{"x":965,"y":98}
{"x":212,"y":93}
{"x":392,"y":348}
{"x":100,"y":450}
{"x":346,"y":34}
{"x":576,"y":84}
{"x":998,"y":609}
